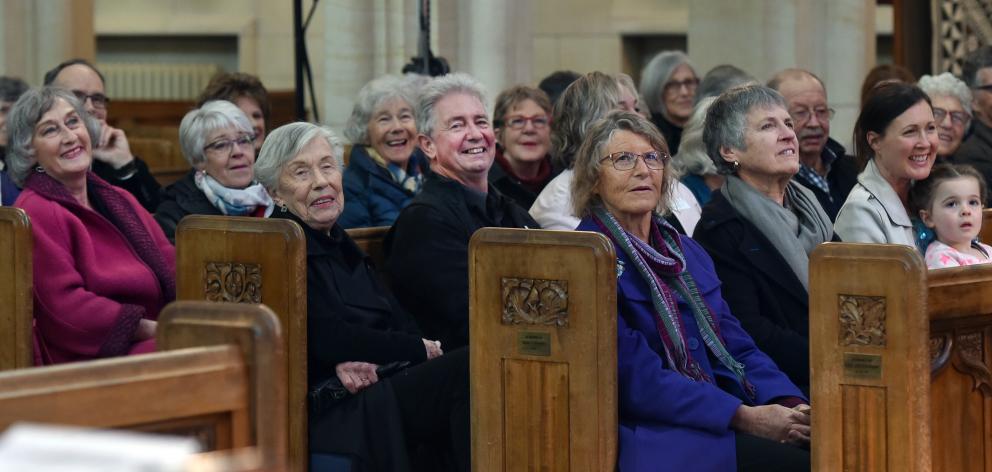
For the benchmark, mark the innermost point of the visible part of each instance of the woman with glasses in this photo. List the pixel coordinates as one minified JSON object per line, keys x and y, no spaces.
{"x":386,"y":168}
{"x":694,"y":391}
{"x":668,"y":84}
{"x":761,"y":226}
{"x":522,"y":119}
{"x":951,"y":101}
{"x":218,"y":142}
{"x":102,"y":268}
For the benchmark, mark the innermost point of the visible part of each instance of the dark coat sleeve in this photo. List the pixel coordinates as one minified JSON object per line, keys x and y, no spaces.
{"x":141,"y":184}
{"x":428,"y":271}
{"x":759,"y":305}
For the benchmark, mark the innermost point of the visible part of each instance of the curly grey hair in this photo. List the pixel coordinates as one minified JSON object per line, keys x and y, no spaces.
{"x":727,"y":117}
{"x":285,"y":143}
{"x":656,"y":74}
{"x":441,"y":87}
{"x":199,"y":123}
{"x":589,"y":159}
{"x":23,"y":118}
{"x":947,"y":85}
{"x":692,"y":158}
{"x":370,"y":98}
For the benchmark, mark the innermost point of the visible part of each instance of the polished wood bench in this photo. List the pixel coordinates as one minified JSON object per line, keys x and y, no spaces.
{"x":899,"y":361}
{"x":218,"y":379}
{"x":16,"y":298}
{"x":543,"y":352}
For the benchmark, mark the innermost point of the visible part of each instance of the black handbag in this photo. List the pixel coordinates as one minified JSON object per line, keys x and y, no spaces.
{"x":332,"y":391}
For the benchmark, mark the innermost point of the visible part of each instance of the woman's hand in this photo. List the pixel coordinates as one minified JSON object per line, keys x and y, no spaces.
{"x":145,"y":330}
{"x":356,"y":376}
{"x":433,"y":348}
{"x":774,"y":422}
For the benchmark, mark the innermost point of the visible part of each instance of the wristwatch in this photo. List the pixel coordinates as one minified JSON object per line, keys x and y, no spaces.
{"x":127,"y":171}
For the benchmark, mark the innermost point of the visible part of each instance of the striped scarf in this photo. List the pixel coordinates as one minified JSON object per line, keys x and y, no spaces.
{"x":662,"y":265}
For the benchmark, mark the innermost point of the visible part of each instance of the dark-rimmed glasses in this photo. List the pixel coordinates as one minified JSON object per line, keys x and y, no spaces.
{"x":518,"y":122}
{"x":959,"y":118}
{"x":626,"y":160}
{"x":98,"y":100}
{"x":690,"y":84}
{"x":802,"y":115}
{"x":224,"y":146}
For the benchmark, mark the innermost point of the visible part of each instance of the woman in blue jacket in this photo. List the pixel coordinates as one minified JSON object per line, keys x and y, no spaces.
{"x":386,"y":168}
{"x":695,"y":393}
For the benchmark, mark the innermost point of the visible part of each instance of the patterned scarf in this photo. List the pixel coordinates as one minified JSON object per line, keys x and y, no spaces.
{"x":234,"y":201}
{"x":662,"y":265}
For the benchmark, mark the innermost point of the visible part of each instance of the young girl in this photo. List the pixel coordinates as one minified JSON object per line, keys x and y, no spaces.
{"x":949,"y":202}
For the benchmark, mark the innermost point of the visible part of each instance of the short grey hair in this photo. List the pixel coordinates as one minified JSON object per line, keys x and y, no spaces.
{"x":285,"y":143}
{"x":692,"y":158}
{"x":946,"y":85}
{"x":23,"y":119}
{"x":441,"y":87}
{"x":656,"y":74}
{"x":199,"y":123}
{"x":587,"y":99}
{"x":726,"y":119}
{"x":370,"y":98}
{"x":589,"y":160}
{"x":719,"y":79}
{"x":975,"y":61}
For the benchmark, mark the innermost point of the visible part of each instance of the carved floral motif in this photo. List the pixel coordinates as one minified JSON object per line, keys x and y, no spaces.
{"x":971,"y":361}
{"x":862,"y":320}
{"x":238,"y":283}
{"x":535,"y":301}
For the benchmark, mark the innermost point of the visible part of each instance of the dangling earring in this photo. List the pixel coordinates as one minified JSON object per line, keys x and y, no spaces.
{"x":282,"y":208}
{"x":39,"y":169}
{"x":735,"y":166}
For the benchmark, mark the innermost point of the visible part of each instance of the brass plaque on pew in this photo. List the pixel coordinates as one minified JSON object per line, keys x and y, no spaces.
{"x":865,"y":366}
{"x":534,"y":343}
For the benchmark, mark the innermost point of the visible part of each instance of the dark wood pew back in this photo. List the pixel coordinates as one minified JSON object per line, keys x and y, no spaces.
{"x":16,"y":284}
{"x":543,"y":350}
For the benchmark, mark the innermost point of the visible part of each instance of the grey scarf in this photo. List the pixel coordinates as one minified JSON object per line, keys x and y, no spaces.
{"x":794,"y":229}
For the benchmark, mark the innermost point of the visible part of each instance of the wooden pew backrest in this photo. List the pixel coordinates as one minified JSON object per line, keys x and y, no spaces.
{"x":16,"y":316}
{"x":254,"y":260}
{"x":543,"y":350}
{"x":370,"y":240}
{"x":203,"y":391}
{"x":985,"y":235}
{"x":869,"y":359}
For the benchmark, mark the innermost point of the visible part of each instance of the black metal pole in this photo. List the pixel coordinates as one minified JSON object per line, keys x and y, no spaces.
{"x":299,"y":60}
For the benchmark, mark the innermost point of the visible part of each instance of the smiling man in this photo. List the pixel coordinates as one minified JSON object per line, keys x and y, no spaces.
{"x":824,"y":166}
{"x":428,"y":244}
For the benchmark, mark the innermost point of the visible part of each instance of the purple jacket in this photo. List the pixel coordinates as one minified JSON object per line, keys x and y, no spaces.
{"x":668,"y":421}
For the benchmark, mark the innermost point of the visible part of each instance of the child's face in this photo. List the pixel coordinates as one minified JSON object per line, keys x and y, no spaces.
{"x":955,"y":212}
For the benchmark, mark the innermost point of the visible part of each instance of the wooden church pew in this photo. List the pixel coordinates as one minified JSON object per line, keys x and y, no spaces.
{"x":219,"y":363}
{"x":16,"y":302}
{"x":543,"y":350}
{"x":899,"y":361}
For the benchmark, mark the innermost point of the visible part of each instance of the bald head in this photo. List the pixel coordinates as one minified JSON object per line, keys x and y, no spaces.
{"x":806,"y":98}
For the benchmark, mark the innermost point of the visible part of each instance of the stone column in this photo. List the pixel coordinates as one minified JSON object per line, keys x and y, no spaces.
{"x":835,"y":40}
{"x":37,"y":35}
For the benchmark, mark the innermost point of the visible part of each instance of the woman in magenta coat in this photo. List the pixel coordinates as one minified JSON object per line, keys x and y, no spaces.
{"x":103,"y":269}
{"x":694,"y":391}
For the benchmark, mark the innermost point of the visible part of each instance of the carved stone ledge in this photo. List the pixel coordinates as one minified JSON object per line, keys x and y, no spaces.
{"x":233,"y":282}
{"x":971,"y":361}
{"x":535,"y":301}
{"x":862,"y":320}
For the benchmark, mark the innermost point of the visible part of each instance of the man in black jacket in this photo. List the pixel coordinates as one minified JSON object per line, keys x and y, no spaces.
{"x":976,"y":150}
{"x":112,"y":158}
{"x":428,"y":245}
{"x":824,"y":167}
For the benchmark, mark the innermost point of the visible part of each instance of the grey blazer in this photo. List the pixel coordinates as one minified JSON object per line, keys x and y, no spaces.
{"x":873,"y":212}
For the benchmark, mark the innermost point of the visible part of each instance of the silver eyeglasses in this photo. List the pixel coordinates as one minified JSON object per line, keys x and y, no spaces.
{"x":225,"y":146}
{"x":626,"y":160}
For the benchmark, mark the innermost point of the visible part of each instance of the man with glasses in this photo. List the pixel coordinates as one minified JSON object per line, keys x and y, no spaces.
{"x":824,"y":167}
{"x":112,"y":158}
{"x":976,"y":149}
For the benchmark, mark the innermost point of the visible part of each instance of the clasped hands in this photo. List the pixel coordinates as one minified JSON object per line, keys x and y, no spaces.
{"x":357,"y":376}
{"x":775,"y":422}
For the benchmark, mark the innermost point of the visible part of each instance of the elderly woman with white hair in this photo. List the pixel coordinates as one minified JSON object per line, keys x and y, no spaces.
{"x":376,"y":385}
{"x":218,"y":142}
{"x":386,"y":168}
{"x":951,"y":101}
{"x":668,"y":85}
{"x":102,"y":268}
{"x":693,"y":166}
